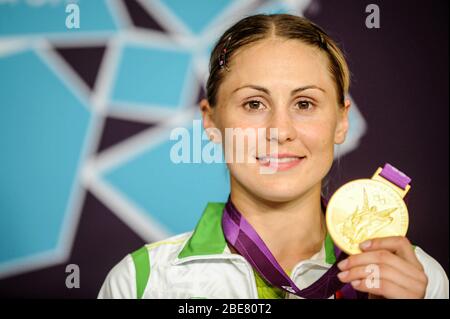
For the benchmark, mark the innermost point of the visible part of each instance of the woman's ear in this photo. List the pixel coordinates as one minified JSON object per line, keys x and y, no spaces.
{"x":342,"y":123}
{"x":208,"y":121}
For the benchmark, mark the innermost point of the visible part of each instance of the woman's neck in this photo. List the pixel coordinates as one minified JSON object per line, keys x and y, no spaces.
{"x":293,"y":231}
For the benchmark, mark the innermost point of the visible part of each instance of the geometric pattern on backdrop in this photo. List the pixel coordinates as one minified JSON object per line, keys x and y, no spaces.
{"x":54,"y":113}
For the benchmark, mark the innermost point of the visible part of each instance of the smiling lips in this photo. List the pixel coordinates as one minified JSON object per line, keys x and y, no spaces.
{"x":280,"y":162}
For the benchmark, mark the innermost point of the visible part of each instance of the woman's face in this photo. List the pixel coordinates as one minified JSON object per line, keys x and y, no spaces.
{"x":283,"y":84}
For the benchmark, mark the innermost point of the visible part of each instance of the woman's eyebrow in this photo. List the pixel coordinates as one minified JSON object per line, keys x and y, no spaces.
{"x":267,"y":91}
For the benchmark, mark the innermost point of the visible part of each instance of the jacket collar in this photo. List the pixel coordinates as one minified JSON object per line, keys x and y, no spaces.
{"x":208,"y":237}
{"x":208,"y":241}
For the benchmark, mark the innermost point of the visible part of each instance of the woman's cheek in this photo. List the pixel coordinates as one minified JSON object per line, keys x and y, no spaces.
{"x":319,"y":141}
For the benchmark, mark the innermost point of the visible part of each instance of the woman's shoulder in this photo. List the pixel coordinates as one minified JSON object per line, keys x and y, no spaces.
{"x":121,"y":279}
{"x":169,"y":244}
{"x":438,"y":284}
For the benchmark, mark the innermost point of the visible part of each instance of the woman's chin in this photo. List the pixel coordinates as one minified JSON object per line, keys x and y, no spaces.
{"x":278,"y":195}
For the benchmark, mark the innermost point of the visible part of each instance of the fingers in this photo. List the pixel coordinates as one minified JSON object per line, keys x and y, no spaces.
{"x":373,"y":278}
{"x":387,"y":267}
{"x":387,"y":289}
{"x":381,"y":257}
{"x":398,"y":245}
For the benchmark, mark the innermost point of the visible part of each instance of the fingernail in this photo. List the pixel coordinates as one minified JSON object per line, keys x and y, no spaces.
{"x":365,"y":244}
{"x":343,"y":274}
{"x":356,"y":283}
{"x":342,"y":264}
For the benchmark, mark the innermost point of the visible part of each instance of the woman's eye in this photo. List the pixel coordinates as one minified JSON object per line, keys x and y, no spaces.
{"x":304,"y":105}
{"x":254,"y":105}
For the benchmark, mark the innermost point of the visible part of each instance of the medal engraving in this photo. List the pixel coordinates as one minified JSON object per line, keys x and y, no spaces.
{"x":365,"y":209}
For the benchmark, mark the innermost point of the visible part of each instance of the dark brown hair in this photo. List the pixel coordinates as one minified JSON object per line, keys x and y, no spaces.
{"x":258,"y":27}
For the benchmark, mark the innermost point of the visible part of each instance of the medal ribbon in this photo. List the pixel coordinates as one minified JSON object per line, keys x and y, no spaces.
{"x":243,"y":237}
{"x":395,"y":176}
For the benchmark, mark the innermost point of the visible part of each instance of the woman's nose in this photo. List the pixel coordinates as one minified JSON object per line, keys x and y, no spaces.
{"x":281,"y":128}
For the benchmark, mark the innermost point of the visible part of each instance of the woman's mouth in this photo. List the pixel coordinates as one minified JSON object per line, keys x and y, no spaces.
{"x":280,"y":162}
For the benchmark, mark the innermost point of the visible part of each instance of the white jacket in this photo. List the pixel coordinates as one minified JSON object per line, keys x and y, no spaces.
{"x":199,"y":264}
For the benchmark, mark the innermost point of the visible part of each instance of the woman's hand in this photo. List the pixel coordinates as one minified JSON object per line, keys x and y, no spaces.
{"x":387,"y":267}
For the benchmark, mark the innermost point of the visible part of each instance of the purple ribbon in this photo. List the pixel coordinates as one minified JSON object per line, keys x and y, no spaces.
{"x":243,"y":237}
{"x":395,"y":176}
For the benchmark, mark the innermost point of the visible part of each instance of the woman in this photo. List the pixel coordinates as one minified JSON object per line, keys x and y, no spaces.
{"x":274,"y":71}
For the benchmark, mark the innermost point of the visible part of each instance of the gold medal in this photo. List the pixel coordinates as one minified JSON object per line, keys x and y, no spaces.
{"x":368,"y":208}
